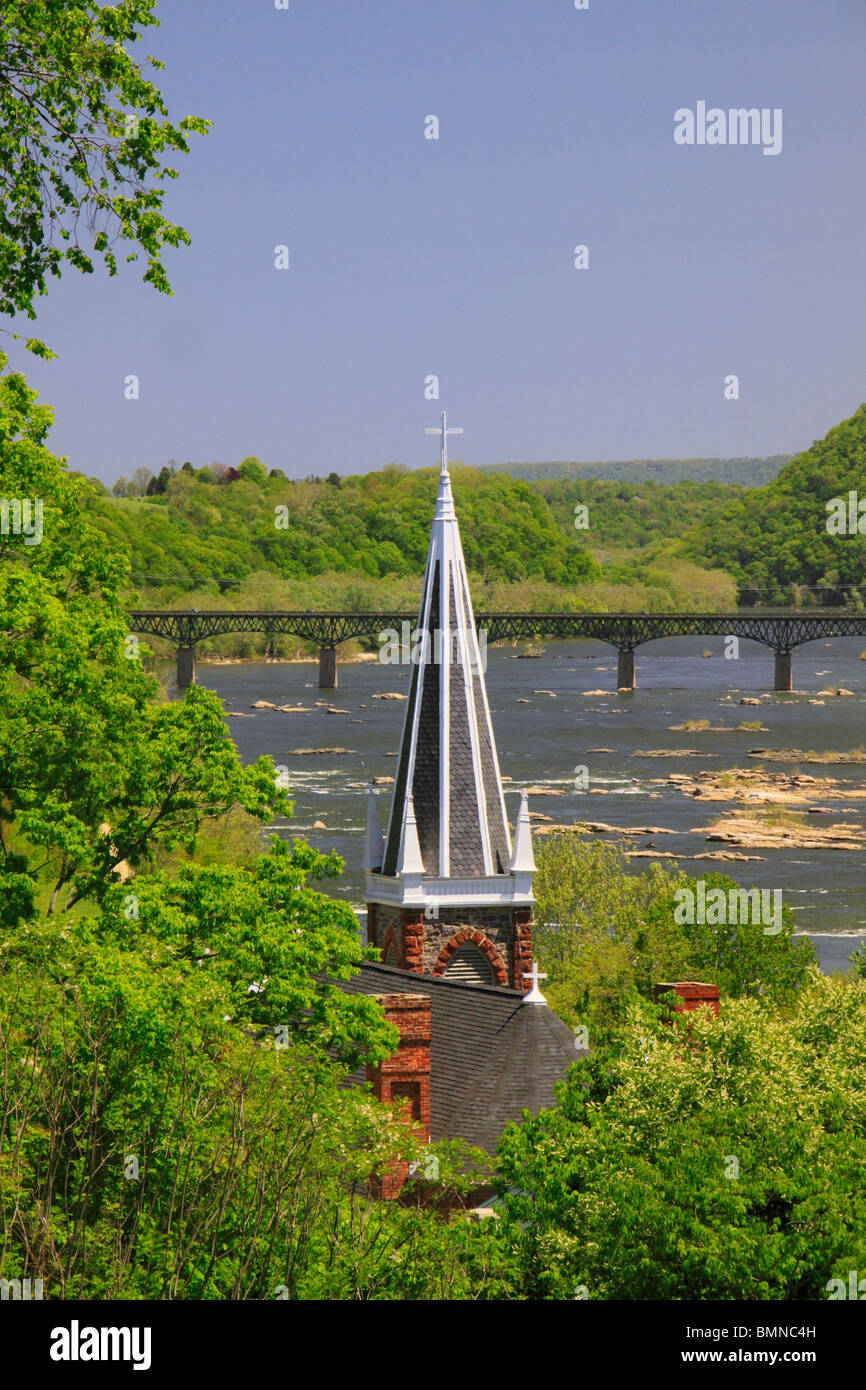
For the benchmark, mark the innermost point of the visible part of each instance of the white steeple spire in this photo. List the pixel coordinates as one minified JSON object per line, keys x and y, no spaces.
{"x":522,"y":860}
{"x":448,"y":821}
{"x":374,"y":846}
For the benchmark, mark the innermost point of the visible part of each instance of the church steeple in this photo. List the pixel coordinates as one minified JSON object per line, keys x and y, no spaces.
{"x":448,"y":760}
{"x":448,"y":843}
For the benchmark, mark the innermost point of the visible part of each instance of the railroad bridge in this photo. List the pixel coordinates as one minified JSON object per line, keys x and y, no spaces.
{"x":781,"y":632}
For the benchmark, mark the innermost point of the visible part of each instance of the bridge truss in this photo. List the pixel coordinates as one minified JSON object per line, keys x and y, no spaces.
{"x":781,"y":632}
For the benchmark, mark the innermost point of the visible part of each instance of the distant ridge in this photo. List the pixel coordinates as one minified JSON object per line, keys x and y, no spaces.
{"x":746,"y":472}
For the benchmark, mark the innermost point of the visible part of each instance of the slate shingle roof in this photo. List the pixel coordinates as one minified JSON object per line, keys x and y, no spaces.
{"x":491,"y":1056}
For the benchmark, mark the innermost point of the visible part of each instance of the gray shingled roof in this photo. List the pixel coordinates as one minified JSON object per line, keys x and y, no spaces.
{"x":491,"y":1056}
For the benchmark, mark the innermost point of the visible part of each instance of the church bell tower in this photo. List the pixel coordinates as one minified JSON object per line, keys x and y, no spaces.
{"x":448,"y":893}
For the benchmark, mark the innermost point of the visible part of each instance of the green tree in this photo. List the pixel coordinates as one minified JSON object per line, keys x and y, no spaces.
{"x":83,"y":134}
{"x":177,"y":1148}
{"x":605,"y":935}
{"x":726,"y":1162}
{"x":253,"y":471}
{"x":72,"y":685}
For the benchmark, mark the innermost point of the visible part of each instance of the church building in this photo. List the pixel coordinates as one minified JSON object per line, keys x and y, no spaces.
{"x":449,"y":888}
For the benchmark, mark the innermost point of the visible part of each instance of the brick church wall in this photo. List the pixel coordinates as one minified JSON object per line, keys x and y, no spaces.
{"x":420,"y":941}
{"x":405,"y":1075}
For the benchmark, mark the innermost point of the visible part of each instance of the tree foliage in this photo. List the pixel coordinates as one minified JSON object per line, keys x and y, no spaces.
{"x":742,"y":472}
{"x":94,"y":770}
{"x":723,"y":1162}
{"x":83,"y":136}
{"x":606,"y":935}
{"x":774,"y":539}
{"x":156,"y":1142}
{"x":376,"y":525}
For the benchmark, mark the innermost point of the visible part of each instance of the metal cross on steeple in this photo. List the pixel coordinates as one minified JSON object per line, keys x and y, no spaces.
{"x":444,"y":432}
{"x":534,"y":996}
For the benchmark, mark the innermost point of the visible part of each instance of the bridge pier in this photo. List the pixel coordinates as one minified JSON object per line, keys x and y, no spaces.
{"x":328,"y":668}
{"x":625,"y":670}
{"x":783,"y":671}
{"x":185,"y":667}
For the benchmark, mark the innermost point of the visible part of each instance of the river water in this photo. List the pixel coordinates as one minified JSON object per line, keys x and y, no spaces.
{"x":541,"y":743}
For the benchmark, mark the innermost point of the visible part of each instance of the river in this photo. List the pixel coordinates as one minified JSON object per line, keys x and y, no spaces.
{"x":543,"y":742}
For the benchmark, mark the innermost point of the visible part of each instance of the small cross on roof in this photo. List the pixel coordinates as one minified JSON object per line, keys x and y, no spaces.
{"x":534,"y":996}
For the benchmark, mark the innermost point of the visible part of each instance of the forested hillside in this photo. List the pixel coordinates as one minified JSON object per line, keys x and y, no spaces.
{"x":375,"y":525}
{"x":258,"y":539}
{"x":632,"y":516}
{"x":774,"y":540}
{"x":745,"y":472}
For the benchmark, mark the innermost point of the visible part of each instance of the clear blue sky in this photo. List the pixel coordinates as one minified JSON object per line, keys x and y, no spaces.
{"x":455,"y":257}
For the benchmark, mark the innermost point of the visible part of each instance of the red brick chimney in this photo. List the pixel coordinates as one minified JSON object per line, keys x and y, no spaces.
{"x":405,"y":1075}
{"x":692,"y":993}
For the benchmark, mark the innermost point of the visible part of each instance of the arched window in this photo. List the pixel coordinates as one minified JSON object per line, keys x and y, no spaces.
{"x":470,"y":966}
{"x":391,"y":955}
